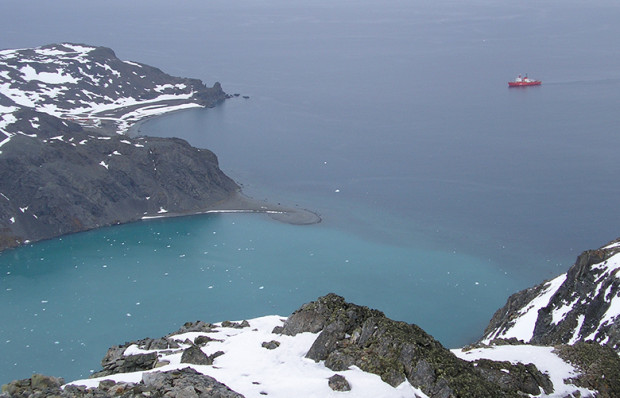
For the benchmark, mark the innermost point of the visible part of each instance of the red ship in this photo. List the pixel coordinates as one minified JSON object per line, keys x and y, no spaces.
{"x":524,"y":81}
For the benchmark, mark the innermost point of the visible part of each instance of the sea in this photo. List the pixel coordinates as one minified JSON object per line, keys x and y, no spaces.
{"x":441,"y":190}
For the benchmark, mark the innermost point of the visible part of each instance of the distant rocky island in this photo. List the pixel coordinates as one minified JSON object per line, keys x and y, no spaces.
{"x":65,"y":163}
{"x":557,"y":339}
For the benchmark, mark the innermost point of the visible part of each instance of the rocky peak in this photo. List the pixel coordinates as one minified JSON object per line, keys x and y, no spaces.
{"x":581,"y":305}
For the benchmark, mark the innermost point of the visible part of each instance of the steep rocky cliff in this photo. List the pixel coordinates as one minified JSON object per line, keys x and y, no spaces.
{"x":582,"y":305}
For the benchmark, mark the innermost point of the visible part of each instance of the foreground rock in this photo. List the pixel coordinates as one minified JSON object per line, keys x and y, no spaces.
{"x":353,"y":350}
{"x":184,"y":382}
{"x":352,"y":335}
{"x":582,"y":305}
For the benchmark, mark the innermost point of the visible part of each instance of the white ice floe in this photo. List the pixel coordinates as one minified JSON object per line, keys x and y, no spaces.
{"x":254,"y":371}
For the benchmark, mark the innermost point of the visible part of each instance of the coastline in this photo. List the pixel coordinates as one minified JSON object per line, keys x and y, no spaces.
{"x":240,"y":203}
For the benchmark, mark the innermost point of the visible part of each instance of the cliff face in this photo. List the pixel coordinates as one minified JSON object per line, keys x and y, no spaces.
{"x":64,"y":168}
{"x":582,"y":305}
{"x":76,"y":181}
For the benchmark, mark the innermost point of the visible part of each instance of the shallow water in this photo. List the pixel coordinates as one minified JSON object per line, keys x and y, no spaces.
{"x":441,"y":190}
{"x":65,"y":301}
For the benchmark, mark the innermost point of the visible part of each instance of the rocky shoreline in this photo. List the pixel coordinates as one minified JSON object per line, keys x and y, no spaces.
{"x":68,"y":163}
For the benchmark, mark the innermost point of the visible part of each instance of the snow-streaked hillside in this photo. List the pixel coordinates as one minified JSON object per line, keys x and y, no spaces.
{"x":91,"y":86}
{"x":581,"y":305}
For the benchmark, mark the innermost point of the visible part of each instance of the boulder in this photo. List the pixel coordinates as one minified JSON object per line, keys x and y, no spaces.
{"x":339,"y":383}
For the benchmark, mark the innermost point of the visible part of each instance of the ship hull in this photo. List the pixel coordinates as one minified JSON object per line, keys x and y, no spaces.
{"x":524,"y":84}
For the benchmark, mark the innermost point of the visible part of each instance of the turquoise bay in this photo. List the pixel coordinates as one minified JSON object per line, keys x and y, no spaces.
{"x":65,"y":301}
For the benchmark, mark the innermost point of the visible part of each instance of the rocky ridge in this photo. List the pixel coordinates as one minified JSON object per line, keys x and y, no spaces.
{"x":331,"y":346}
{"x":582,"y":305}
{"x":63,"y":166}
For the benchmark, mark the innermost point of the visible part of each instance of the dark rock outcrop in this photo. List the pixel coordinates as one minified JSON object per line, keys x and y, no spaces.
{"x":271,"y":345}
{"x":396,"y":351}
{"x":338,"y":383}
{"x":115,"y":362}
{"x":79,"y":181}
{"x":194,"y":355}
{"x":519,"y":377}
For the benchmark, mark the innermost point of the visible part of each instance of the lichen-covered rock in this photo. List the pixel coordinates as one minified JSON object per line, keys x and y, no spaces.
{"x":182,"y":383}
{"x":115,"y":362}
{"x":396,"y":351}
{"x":339,"y":383}
{"x":271,"y":345}
{"x":515,"y":377}
{"x":37,"y":385}
{"x":203,"y":340}
{"x":194,"y":355}
{"x":314,"y":316}
{"x":186,"y":383}
{"x":236,"y":325}
{"x":599,"y":366}
{"x":156,"y":344}
{"x":197,"y":326}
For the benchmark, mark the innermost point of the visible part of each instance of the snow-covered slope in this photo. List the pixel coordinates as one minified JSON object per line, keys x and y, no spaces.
{"x":256,"y":363}
{"x":581,"y":305}
{"x":544,"y":358}
{"x":91,"y":86}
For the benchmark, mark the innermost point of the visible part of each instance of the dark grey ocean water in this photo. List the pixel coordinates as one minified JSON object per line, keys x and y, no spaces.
{"x":442,"y":191}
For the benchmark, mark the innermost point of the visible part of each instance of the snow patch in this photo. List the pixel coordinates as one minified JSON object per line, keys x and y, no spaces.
{"x":29,"y":73}
{"x":575,"y":336}
{"x":523,"y":327}
{"x":559,"y":314}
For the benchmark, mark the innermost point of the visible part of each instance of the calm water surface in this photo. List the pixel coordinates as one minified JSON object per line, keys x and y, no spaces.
{"x":442,"y":191}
